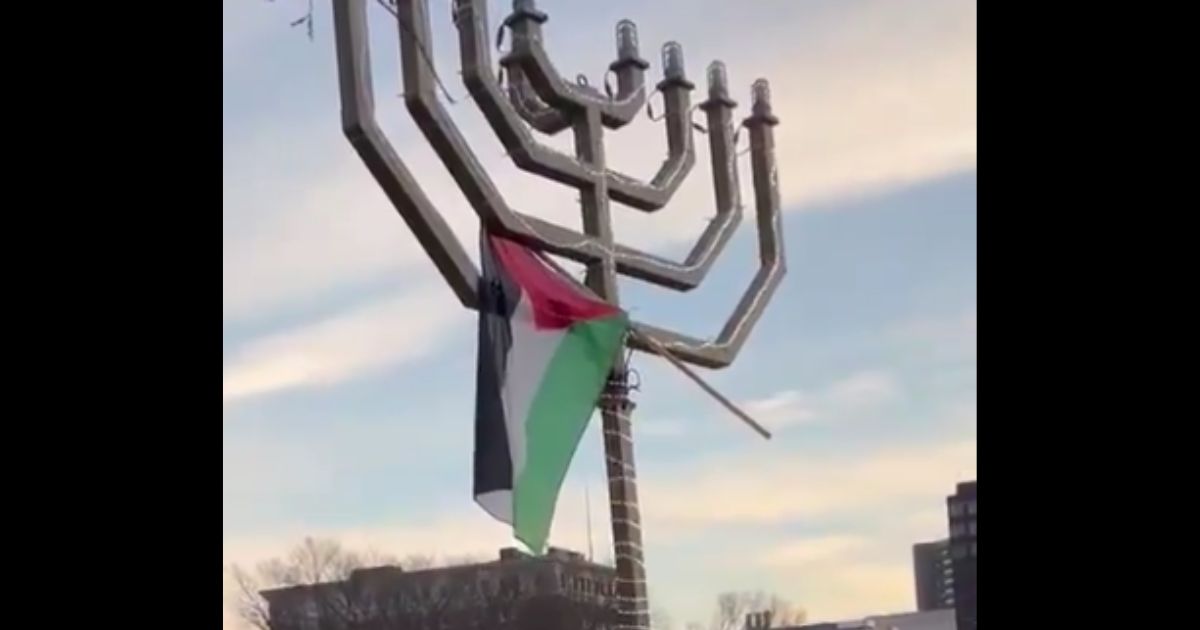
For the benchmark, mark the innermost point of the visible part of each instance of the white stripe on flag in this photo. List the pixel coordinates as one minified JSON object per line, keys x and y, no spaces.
{"x":498,"y":503}
{"x":529,"y":357}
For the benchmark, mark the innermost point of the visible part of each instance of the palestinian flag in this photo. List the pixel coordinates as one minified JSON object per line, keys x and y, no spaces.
{"x":545,"y":351}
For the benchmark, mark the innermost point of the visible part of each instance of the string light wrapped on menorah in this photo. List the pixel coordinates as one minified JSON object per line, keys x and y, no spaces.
{"x":536,"y":97}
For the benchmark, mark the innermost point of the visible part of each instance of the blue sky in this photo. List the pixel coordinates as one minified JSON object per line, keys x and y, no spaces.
{"x":348,"y":366}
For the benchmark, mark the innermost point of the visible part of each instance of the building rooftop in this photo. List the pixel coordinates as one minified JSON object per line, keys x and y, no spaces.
{"x":926,"y":620}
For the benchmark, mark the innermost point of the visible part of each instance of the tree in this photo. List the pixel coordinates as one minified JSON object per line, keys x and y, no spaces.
{"x":784,"y":613}
{"x":732,"y":608}
{"x":313,"y":561}
{"x":661,"y":620}
{"x":343,"y":600}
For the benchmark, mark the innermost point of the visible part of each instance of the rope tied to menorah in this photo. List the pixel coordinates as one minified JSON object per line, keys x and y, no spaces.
{"x":520,"y":458}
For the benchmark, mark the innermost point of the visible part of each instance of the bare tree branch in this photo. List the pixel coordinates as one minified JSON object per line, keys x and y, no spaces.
{"x":324,"y":568}
{"x":732,"y":608}
{"x":417,"y":562}
{"x":464,"y":560}
{"x":661,"y":620}
{"x":249,"y":605}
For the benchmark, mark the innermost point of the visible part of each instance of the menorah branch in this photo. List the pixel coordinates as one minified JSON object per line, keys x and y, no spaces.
{"x":381,"y":159}
{"x":505,"y":114}
{"x":530,"y":108}
{"x":724,"y":349}
{"x":530,"y":55}
{"x":455,"y":153}
{"x":471,"y":20}
{"x":681,"y":152}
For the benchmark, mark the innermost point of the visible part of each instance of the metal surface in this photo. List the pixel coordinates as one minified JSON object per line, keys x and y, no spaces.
{"x":397,"y":182}
{"x":625,"y":513}
{"x":569,"y":97}
{"x":538,"y":97}
{"x":505,"y":114}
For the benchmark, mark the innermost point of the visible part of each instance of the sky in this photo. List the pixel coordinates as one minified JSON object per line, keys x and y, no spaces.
{"x":348,"y":366}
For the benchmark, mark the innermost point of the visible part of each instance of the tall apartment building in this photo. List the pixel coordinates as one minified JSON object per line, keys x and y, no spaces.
{"x":933,"y":575}
{"x":961,"y":509}
{"x":558,"y":591}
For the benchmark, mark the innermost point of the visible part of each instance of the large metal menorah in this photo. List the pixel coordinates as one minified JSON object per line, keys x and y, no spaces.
{"x":537,"y":97}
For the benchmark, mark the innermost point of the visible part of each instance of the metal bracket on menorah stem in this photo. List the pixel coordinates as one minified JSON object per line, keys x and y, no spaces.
{"x":539,"y":97}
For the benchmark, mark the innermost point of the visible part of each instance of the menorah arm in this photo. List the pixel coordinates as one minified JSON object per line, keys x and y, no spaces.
{"x":381,"y":159}
{"x":471,"y":19}
{"x":466,"y":170}
{"x":504,"y":115}
{"x":530,"y":108}
{"x":681,"y":152}
{"x":527,"y":51}
{"x":724,"y":349}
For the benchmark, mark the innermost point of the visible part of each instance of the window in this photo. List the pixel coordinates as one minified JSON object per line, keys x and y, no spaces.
{"x":956,"y":509}
{"x":971,"y":528}
{"x":959,"y":551}
{"x":974,"y":550}
{"x":971,"y":506}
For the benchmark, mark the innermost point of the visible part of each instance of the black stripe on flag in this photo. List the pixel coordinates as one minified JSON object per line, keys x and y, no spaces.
{"x":498,"y":298}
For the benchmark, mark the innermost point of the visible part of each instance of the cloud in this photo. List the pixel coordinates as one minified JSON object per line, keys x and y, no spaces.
{"x":261,"y":472}
{"x":758,"y":489}
{"x":855,"y":590}
{"x":842,"y":576}
{"x":290,"y":239}
{"x":782,"y":410}
{"x":359,"y":341}
{"x":880,"y":95}
{"x":962,"y":413}
{"x":242,"y":23}
{"x":944,"y":338}
{"x":853,"y":575}
{"x":865,"y":389}
{"x":874,"y":96}
{"x":810,"y":550}
{"x":659,"y":428}
{"x":840,"y":400}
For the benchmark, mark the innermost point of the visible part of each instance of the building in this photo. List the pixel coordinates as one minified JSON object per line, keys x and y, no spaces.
{"x":922,"y":620}
{"x":925,"y":620}
{"x":933,"y":575}
{"x":558,"y":591}
{"x":961,"y":510}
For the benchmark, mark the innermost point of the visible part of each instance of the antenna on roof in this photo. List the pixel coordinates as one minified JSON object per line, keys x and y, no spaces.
{"x":587,"y":506}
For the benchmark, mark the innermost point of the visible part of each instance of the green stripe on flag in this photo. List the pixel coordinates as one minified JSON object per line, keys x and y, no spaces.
{"x":557,"y":418}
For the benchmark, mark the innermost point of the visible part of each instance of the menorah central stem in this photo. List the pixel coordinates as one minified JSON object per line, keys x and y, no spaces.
{"x":615,"y":408}
{"x":615,"y":405}
{"x":597,"y":217}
